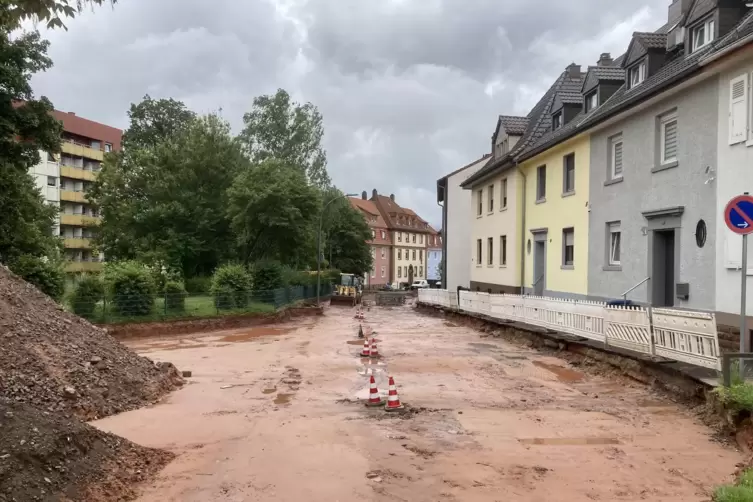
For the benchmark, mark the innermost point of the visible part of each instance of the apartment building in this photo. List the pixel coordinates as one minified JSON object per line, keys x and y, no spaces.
{"x":380,"y":242}
{"x":434,"y":256}
{"x":64,"y":179}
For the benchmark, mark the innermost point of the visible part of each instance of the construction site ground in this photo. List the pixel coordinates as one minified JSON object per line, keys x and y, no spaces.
{"x":275,"y":413}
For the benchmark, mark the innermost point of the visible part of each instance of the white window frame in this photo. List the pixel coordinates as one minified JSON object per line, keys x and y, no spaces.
{"x":640,"y":71}
{"x":614,"y":228}
{"x":383,"y":271}
{"x":565,"y":233}
{"x":502,"y":250}
{"x":663,"y":122}
{"x":617,"y":140}
{"x":479,"y":256}
{"x":383,"y":253}
{"x":557,"y":121}
{"x":490,"y":251}
{"x":480,"y":203}
{"x":592,"y":101}
{"x":503,"y":194}
{"x":708,"y":35}
{"x":490,"y":199}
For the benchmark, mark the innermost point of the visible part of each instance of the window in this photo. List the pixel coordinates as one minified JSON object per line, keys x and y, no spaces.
{"x":52,"y":181}
{"x":568,"y":247}
{"x":108,"y":147}
{"x":373,"y":272}
{"x":414,"y":238}
{"x":702,"y":35}
{"x":399,"y":254}
{"x":420,"y":271}
{"x":373,"y":234}
{"x":568,"y":174}
{"x":637,"y":74}
{"x":399,"y":237}
{"x":592,"y":101}
{"x":96,"y":145}
{"x":541,"y":183}
{"x":738,"y":109}
{"x":490,"y":251}
{"x":405,"y":269}
{"x":383,"y":253}
{"x":421,"y":255}
{"x":503,"y":250}
{"x":384,"y":235}
{"x":668,"y":138}
{"x":503,"y":193}
{"x":479,"y":202}
{"x":478,"y":252}
{"x":490,"y":192}
{"x":615,"y":161}
{"x":373,"y":253}
{"x":383,"y":271}
{"x":399,"y":272}
{"x":615,"y":242}
{"x":556,"y":121}
{"x":421,"y":238}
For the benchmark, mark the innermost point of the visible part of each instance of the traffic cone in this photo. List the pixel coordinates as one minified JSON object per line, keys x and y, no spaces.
{"x":357,"y":314}
{"x":374,"y":398}
{"x":393,"y":400}
{"x":360,"y":331}
{"x":374,"y":352}
{"x":365,"y":352}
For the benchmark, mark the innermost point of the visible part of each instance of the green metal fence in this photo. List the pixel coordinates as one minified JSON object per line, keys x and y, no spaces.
{"x":139,"y":308}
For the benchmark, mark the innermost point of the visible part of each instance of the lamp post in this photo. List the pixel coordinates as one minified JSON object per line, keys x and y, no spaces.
{"x":319,"y":244}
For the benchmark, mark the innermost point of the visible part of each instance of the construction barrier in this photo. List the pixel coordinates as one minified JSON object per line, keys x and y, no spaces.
{"x":685,"y":336}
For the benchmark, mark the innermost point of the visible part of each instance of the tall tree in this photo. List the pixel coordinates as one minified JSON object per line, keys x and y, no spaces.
{"x":167,"y":203}
{"x":154,"y":120}
{"x":13,"y":12}
{"x":279,"y":128}
{"x":273,"y":211}
{"x":347,"y":236}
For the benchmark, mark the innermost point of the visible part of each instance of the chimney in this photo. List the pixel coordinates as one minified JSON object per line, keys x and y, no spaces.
{"x":392,"y":197}
{"x":71,"y":113}
{"x":374,"y":193}
{"x":605,"y":59}
{"x":573,"y":70}
{"x":363,"y":195}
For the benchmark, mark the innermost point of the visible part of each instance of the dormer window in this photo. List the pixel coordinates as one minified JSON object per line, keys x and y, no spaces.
{"x":637,"y":74}
{"x":556,"y":121}
{"x":592,"y":101}
{"x":702,"y":35}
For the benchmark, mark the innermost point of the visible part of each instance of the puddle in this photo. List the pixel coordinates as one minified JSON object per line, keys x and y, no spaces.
{"x":283,"y":398}
{"x":569,"y":441}
{"x":269,"y":391}
{"x":563,"y":374}
{"x":254,"y":333}
{"x":178,"y":346}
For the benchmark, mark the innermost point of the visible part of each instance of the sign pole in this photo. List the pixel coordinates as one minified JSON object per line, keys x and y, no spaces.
{"x":744,"y":341}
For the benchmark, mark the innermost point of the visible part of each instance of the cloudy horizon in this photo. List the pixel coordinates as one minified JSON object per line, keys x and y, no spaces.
{"x":409,"y":91}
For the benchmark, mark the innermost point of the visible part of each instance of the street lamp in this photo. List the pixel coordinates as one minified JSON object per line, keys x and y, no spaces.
{"x":319,"y":244}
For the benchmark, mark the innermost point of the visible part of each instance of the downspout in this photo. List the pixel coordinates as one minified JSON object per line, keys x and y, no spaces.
{"x":443,"y":236}
{"x":522,"y":232}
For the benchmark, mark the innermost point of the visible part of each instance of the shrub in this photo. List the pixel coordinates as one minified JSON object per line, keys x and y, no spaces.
{"x":132,"y":288}
{"x":198,"y":284}
{"x":293,"y":277}
{"x":268,"y":275}
{"x":231,"y":284}
{"x":738,"y":396}
{"x":175,"y":296}
{"x":89,"y":290}
{"x":45,"y":274}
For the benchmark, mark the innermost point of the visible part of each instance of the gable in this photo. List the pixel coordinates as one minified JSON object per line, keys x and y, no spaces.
{"x":499,"y":133}
{"x":635,"y":52}
{"x":590,"y":81}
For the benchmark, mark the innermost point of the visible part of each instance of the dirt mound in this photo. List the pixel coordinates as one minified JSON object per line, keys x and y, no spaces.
{"x":58,"y":362}
{"x":44,"y":456}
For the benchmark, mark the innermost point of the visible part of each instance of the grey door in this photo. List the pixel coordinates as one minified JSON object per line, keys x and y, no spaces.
{"x":663,"y":273}
{"x":539,"y":267}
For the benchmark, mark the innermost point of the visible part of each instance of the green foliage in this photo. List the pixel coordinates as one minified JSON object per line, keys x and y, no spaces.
{"x":89,"y":290}
{"x":272,"y":211}
{"x":175,"y":296}
{"x":292,"y":277}
{"x":268,"y":275}
{"x":738,"y":396}
{"x":46,"y":275}
{"x":198,"y":284}
{"x":742,"y":491}
{"x":154,"y":121}
{"x":278,"y":128}
{"x":231,"y":285}
{"x":131,"y":288}
{"x":347,"y":232}
{"x":12,"y":13}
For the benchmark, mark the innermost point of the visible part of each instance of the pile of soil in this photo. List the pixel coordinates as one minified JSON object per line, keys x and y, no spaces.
{"x":61,"y":363}
{"x":45,"y":456}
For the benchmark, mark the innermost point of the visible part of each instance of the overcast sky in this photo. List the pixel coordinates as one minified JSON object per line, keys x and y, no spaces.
{"x":409,"y":89}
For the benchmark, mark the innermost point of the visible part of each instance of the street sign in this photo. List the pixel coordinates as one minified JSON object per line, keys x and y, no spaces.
{"x":738,"y":215}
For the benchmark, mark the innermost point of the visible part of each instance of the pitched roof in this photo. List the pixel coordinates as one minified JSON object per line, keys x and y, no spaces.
{"x":456,"y":171}
{"x":370,"y":209}
{"x":596,"y":74}
{"x":514,"y":125}
{"x":651,"y":40}
{"x":392,"y":211}
{"x":699,"y":9}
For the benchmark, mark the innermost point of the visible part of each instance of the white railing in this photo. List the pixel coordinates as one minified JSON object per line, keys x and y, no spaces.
{"x":685,"y":336}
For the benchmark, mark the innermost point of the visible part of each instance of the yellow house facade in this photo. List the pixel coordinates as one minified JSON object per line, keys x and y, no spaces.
{"x":556,"y":219}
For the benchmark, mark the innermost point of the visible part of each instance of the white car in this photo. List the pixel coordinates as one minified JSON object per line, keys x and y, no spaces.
{"x":419,"y":285}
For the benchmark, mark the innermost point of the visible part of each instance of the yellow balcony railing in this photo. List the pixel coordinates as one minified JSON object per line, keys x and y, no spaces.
{"x":69,"y":196}
{"x":83,"y":266}
{"x":78,"y":220}
{"x":82,"y":151}
{"x":77,"y":243}
{"x":77,"y":173}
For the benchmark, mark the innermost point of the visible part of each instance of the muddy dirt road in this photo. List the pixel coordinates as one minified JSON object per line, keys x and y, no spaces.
{"x":272,"y":414}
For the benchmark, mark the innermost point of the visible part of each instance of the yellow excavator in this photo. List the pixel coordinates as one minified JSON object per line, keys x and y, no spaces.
{"x":348,"y":292}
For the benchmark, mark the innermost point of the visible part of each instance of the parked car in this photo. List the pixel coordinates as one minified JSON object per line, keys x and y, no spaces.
{"x":419,"y":284}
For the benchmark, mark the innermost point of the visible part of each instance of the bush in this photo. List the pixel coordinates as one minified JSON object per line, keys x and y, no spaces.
{"x":742,"y":491}
{"x":46,"y":275}
{"x":293,"y":277}
{"x":737,"y":396}
{"x":198,"y":284}
{"x":89,"y":290}
{"x":132,"y":288}
{"x":175,"y":296}
{"x":231,"y":285}
{"x":268,"y":275}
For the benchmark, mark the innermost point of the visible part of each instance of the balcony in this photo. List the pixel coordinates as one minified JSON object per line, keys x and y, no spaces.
{"x":77,"y":243}
{"x":77,"y":173}
{"x":78,"y":220}
{"x":80,"y":150}
{"x":69,"y":196}
{"x":84,"y":266}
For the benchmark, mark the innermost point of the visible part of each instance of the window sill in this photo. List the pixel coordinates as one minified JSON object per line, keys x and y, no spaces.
{"x":568,"y":194}
{"x":541,"y":201}
{"x":613,"y":181}
{"x":479,"y":216}
{"x":478,"y":266}
{"x":503,"y":209}
{"x":664,"y":167}
{"x":612,"y":268}
{"x":490,"y":213}
{"x":749,"y":143}
{"x":567,"y":267}
{"x":503,"y":266}
{"x":490,"y":266}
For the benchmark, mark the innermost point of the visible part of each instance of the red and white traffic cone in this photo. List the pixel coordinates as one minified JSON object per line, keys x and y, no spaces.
{"x":374,"y":351}
{"x":374,"y":398}
{"x":365,"y":352}
{"x":393,"y":400}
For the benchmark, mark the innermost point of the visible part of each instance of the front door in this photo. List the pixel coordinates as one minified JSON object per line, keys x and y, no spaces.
{"x":539,"y":267}
{"x":663,"y":273}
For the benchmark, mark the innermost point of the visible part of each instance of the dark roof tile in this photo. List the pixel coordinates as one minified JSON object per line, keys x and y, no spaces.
{"x":514,"y":125}
{"x":652,"y":40}
{"x":699,"y":10}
